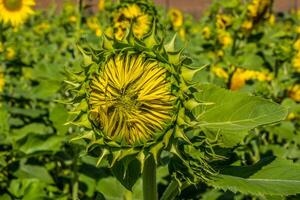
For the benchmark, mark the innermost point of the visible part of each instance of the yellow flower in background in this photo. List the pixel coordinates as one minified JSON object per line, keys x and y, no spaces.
{"x":130,"y":99}
{"x":141,"y":22}
{"x":294,"y":92}
{"x":206,"y":32}
{"x":1,"y":47}
{"x":292,"y":116}
{"x":10,"y":53}
{"x":72,"y":19}
{"x":181,"y":33}
{"x":2,"y":81}
{"x":15,"y":12}
{"x":225,"y":38}
{"x":220,"y":53}
{"x":42,"y":27}
{"x":257,"y":8}
{"x":297,"y":29}
{"x":296,"y":62}
{"x":220,"y":72}
{"x":297,"y":45}
{"x":240,"y":77}
{"x":142,"y":25}
{"x":101,"y":5}
{"x":223,"y":21}
{"x":176,"y":17}
{"x":272,"y":19}
{"x":131,"y":11}
{"x":119,"y":30}
{"x":94,"y":25}
{"x":247,"y":25}
{"x":263,"y":76}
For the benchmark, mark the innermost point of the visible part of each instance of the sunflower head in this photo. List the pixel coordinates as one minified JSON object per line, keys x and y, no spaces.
{"x":130,"y":99}
{"x":137,"y":14}
{"x":223,"y":21}
{"x":134,"y":99}
{"x":259,"y":9}
{"x":15,"y":12}
{"x":176,"y":18}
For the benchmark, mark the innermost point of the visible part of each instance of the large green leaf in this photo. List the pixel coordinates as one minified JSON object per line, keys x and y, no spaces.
{"x":279,"y":177}
{"x":112,"y":189}
{"x":34,"y":171}
{"x":231,"y":114}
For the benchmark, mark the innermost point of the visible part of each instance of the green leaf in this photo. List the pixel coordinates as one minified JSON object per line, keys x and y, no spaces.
{"x":228,"y":116}
{"x":36,"y":143}
{"x":280,"y":177}
{"x":229,"y":113}
{"x":34,"y":172}
{"x":252,"y":62}
{"x":59,"y":116}
{"x":127,"y":171}
{"x":112,"y":189}
{"x":34,"y":128}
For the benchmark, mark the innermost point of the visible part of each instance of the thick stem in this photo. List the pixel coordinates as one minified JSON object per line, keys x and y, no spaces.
{"x":149,"y":180}
{"x":75,"y":181}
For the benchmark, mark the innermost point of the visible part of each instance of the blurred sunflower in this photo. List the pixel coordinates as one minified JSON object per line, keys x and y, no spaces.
{"x":15,"y":12}
{"x":258,"y":8}
{"x":247,"y":25}
{"x":101,"y":5}
{"x":2,"y":81}
{"x":294,"y":92}
{"x":10,"y":53}
{"x":206,"y":32}
{"x":131,"y":14}
{"x":94,"y":25}
{"x":224,"y":38}
{"x":176,"y":18}
{"x":240,"y":76}
{"x":296,"y":62}
{"x":223,"y":21}
{"x":1,"y":47}
{"x":220,"y":72}
{"x":130,"y":99}
{"x":42,"y":27}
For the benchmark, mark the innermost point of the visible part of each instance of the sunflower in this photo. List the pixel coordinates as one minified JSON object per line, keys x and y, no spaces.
{"x":241,"y":76}
{"x":223,"y":21}
{"x":130,"y":99}
{"x":15,"y":12}
{"x":94,"y":25}
{"x":133,"y":103}
{"x":224,"y":38}
{"x":176,"y":18}
{"x":294,"y":92}
{"x":220,"y":72}
{"x":206,"y":32}
{"x":296,"y":62}
{"x":258,"y":8}
{"x":2,"y":81}
{"x":131,"y":14}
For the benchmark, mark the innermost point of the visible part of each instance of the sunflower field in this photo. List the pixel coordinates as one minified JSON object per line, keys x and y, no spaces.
{"x":133,"y":101}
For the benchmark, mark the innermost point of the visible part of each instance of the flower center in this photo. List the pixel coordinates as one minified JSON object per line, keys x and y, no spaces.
{"x":12,"y":5}
{"x":127,"y":102}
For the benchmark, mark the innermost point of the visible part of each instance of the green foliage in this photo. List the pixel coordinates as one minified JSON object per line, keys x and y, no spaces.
{"x":229,"y":144}
{"x":279,"y":177}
